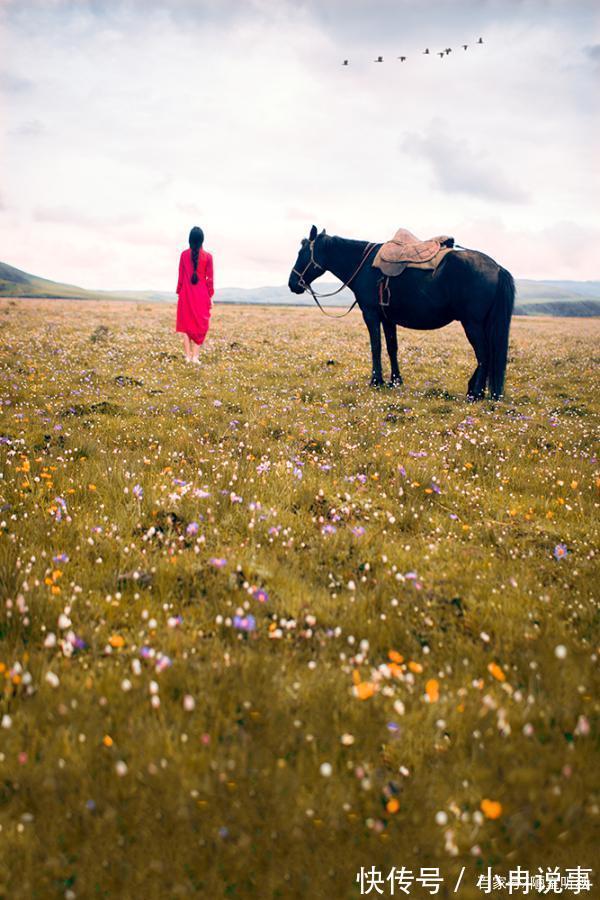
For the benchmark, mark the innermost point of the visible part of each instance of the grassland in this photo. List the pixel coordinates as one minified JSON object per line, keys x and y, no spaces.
{"x":262,"y":626}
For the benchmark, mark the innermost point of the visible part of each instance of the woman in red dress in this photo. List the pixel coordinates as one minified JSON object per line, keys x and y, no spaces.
{"x":194,"y":291}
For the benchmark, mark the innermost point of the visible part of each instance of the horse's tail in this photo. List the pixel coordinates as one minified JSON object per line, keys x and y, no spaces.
{"x":497,"y":328}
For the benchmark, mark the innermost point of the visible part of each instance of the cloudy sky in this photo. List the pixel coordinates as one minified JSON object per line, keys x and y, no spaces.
{"x":125,"y":122}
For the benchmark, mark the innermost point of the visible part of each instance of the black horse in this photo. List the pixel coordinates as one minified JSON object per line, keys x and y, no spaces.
{"x":467,"y":286}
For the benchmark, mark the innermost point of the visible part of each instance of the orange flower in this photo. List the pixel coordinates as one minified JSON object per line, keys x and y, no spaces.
{"x":432,"y":689}
{"x":116,"y":641}
{"x":392,"y":805}
{"x":364,"y":689}
{"x":491,"y":809}
{"x":415,"y":667}
{"x":107,"y":740}
{"x":495,"y":670}
{"x":395,"y":656}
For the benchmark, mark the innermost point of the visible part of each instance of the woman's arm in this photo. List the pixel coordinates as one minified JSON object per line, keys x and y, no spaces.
{"x":210,"y":275}
{"x":180,"y":279}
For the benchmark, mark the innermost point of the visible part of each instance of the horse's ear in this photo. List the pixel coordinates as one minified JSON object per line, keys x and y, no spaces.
{"x":323,"y":232}
{"x":313,"y":233}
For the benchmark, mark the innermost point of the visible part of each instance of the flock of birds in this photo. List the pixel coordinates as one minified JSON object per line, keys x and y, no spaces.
{"x":426,"y":52}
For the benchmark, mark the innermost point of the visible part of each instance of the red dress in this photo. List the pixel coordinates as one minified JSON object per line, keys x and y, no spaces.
{"x":194,"y":300}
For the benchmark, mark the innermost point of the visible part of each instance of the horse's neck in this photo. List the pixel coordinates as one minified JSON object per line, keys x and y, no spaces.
{"x":343,"y":256}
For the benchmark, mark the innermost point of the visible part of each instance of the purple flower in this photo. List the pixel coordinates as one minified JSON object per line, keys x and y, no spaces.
{"x":358,"y":530}
{"x":244,"y":623}
{"x":138,"y":491}
{"x":77,"y":642}
{"x":218,"y":562}
{"x":260,"y":595}
{"x":192,"y":528}
{"x":163,"y":662}
{"x":60,"y":558}
{"x":560,"y":551}
{"x":61,"y":509}
{"x":328,"y":529}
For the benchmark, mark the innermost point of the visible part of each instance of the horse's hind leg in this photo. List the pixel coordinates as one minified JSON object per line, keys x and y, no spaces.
{"x":476,"y":336}
{"x":391,"y":341}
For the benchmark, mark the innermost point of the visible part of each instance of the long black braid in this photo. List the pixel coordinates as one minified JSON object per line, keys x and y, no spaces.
{"x":196,"y":241}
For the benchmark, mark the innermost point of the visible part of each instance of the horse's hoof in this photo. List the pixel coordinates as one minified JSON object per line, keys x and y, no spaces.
{"x":475,"y":398}
{"x":377,"y":383}
{"x":395,"y":383}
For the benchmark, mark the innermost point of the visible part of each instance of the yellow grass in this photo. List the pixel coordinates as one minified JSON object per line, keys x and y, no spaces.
{"x":417,"y":685}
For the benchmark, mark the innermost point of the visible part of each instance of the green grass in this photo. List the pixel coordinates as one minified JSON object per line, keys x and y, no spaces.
{"x":228,"y":799}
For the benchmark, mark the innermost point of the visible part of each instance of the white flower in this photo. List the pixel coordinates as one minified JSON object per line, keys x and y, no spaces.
{"x":52,"y":679}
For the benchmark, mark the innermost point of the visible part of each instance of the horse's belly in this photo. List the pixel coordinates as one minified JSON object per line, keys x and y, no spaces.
{"x":417,"y":301}
{"x":426,"y":321}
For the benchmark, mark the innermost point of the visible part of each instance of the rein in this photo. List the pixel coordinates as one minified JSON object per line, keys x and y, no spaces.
{"x":308,"y":287}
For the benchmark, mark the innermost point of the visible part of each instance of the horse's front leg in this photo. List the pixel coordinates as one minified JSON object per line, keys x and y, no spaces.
{"x":391,"y":340}
{"x":373,"y":323}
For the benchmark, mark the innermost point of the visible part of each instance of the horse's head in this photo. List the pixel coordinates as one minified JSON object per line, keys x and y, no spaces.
{"x":310,"y":263}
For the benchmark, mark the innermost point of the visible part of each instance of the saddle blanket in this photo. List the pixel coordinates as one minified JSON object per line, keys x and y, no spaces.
{"x":405,"y":249}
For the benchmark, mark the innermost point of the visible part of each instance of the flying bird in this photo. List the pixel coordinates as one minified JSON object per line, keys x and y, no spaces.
{"x":402,"y":58}
{"x":480,"y":41}
{"x":345,"y":63}
{"x":379,"y":59}
{"x":426,"y":51}
{"x":442,"y":54}
{"x":464,"y":46}
{"x":448,"y":50}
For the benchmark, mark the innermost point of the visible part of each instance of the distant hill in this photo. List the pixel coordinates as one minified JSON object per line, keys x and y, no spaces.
{"x":534,"y":298}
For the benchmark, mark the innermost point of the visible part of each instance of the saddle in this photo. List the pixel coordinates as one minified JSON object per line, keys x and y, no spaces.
{"x":406,"y":250}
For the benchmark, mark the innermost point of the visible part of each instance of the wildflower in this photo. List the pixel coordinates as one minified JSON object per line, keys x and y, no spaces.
{"x":244,"y":623}
{"x":491,"y":809}
{"x":432,"y":689}
{"x":138,"y":491}
{"x":560,"y":551}
{"x":496,"y":672}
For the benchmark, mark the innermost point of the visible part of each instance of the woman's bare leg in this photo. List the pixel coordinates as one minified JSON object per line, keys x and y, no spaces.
{"x":195,"y":350}
{"x":186,"y":347}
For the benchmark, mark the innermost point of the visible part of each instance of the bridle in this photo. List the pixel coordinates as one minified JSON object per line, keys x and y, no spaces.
{"x":308,"y":287}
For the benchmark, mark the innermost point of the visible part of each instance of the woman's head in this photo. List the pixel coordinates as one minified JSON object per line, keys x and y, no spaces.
{"x":196,"y":238}
{"x":196,"y":241}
